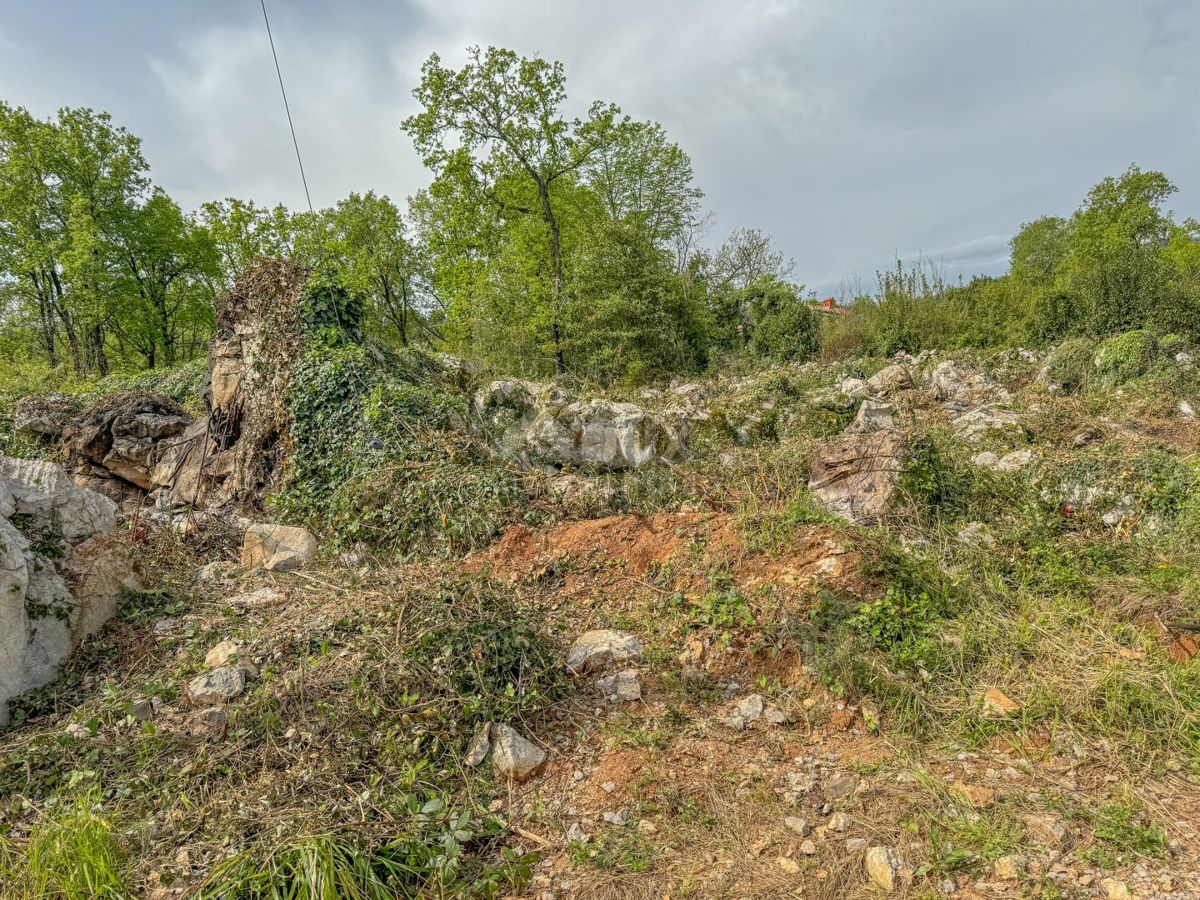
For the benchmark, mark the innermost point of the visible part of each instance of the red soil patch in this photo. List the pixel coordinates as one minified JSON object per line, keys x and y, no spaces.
{"x":636,"y":545}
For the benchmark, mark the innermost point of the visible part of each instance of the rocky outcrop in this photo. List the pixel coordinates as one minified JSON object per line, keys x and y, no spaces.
{"x":873,"y":415}
{"x":888,"y":380}
{"x":126,"y":435}
{"x":855,"y":476}
{"x":540,"y":425}
{"x":228,"y":457}
{"x":47,"y":415}
{"x":63,"y":568}
{"x":277,"y":548}
{"x":954,"y":383}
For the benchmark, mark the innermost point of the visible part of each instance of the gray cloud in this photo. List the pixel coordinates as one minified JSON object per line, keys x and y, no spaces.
{"x":851,"y":131}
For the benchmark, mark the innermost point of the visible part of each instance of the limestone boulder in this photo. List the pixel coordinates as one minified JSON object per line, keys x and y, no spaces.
{"x":602,"y":433}
{"x":223,"y":684}
{"x":124,"y":435}
{"x":47,"y":496}
{"x":47,"y":415}
{"x":277,"y":548}
{"x":873,"y":415}
{"x":952,"y":382}
{"x":63,"y":568}
{"x":602,"y":649}
{"x":514,"y":757}
{"x":856,"y":476}
{"x":541,"y":425}
{"x":888,"y":380}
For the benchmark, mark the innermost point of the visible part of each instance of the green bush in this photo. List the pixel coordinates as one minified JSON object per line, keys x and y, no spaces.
{"x":783,"y":326}
{"x":938,"y":481}
{"x":1070,"y":364}
{"x":484,"y":656}
{"x":379,"y":457}
{"x":1124,"y":357}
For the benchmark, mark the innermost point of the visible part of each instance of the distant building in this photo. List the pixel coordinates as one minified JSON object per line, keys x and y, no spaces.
{"x":828,"y":306}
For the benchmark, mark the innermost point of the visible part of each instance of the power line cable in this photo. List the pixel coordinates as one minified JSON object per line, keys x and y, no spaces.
{"x":286,"y":108}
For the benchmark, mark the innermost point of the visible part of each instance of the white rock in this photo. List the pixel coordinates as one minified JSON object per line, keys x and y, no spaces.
{"x":620,"y":817}
{"x":45,"y":493}
{"x":953,"y":383}
{"x":221,"y":685}
{"x":50,"y":600}
{"x":546,"y":430}
{"x":621,"y":687}
{"x":873,"y":415}
{"x":749,"y":709}
{"x":1186,"y":410}
{"x":1125,"y":508}
{"x":889,"y":379}
{"x":1012,"y":462}
{"x":514,"y":757}
{"x":481,"y":745}
{"x":853,"y":387}
{"x":883,"y":866}
{"x":277,"y":548}
{"x":986,"y":459}
{"x":595,"y":651}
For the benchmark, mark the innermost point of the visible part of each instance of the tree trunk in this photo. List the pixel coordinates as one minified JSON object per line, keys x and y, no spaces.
{"x":97,"y":358}
{"x":68,"y":323}
{"x":47,"y":328}
{"x":556,"y":283}
{"x":401,"y":320}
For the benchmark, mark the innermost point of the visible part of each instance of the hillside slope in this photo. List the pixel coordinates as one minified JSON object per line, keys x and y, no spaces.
{"x":906,"y":627}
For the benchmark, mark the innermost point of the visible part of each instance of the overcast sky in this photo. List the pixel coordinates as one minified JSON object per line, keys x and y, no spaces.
{"x":851,"y":131}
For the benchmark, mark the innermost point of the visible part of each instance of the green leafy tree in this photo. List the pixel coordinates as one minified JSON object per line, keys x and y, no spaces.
{"x":369,"y":238}
{"x":748,"y":256}
{"x":163,"y":266}
{"x":499,"y":117}
{"x":243,"y":231}
{"x":1114,"y":263}
{"x":1038,"y":250}
{"x":645,"y":181}
{"x":782,"y":325}
{"x":633,"y":318}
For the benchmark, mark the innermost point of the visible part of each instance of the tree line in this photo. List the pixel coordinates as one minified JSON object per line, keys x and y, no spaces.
{"x":544,"y":244}
{"x":1119,"y":263}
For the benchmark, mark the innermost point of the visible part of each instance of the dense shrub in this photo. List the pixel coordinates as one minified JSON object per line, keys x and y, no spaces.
{"x":1125,"y":356}
{"x":783,"y":326}
{"x":1070,"y":364}
{"x":380,"y":456}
